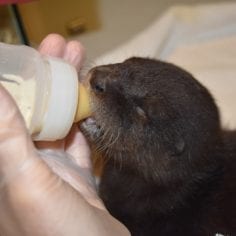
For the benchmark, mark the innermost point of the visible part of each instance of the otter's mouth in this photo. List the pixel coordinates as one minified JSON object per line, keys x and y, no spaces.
{"x":91,"y":129}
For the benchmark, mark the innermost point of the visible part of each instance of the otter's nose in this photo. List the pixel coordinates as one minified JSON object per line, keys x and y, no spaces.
{"x":98,"y":84}
{"x":98,"y":79}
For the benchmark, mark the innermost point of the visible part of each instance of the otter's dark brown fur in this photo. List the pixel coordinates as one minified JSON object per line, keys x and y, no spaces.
{"x":170,"y":168}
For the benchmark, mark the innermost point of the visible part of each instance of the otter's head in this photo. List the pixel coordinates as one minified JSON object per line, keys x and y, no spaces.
{"x":149,"y":113}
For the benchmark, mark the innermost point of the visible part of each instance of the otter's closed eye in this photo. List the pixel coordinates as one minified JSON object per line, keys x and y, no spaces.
{"x":141,"y":112}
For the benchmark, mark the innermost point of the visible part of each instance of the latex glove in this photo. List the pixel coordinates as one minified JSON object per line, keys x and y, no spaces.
{"x":33,"y":199}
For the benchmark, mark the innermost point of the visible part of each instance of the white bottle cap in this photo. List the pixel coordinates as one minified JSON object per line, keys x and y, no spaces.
{"x":62,"y":104}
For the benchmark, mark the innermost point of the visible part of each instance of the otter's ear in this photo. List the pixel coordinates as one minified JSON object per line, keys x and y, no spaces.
{"x":179,"y":147}
{"x":174,"y":146}
{"x":156,"y":111}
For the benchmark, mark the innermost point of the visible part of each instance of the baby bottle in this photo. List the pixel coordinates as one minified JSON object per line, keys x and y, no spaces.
{"x":45,"y":89}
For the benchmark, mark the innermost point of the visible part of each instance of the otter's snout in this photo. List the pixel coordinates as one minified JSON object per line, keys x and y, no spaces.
{"x":98,"y":84}
{"x":99,"y":78}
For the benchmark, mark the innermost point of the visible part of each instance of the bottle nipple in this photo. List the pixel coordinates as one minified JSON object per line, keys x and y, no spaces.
{"x":83,"y":108}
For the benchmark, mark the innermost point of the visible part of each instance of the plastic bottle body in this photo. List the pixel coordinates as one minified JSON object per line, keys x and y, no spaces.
{"x":45,"y":90}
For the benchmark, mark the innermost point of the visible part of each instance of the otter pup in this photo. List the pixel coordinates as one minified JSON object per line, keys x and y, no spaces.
{"x":169,"y":167}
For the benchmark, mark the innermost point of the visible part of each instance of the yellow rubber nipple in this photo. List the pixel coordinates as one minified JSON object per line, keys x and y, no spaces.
{"x":83,"y":108}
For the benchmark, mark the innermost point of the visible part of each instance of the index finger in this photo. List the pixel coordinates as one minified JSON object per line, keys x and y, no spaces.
{"x":55,"y":45}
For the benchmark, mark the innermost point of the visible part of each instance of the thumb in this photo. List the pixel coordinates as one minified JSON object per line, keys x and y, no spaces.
{"x":15,"y":142}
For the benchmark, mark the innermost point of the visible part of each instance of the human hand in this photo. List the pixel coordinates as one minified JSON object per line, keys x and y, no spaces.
{"x":48,"y":199}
